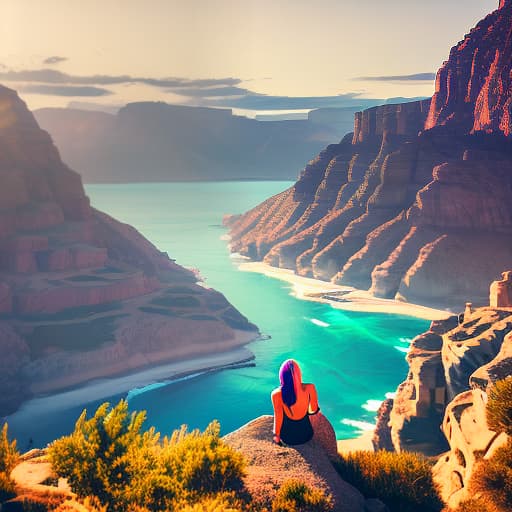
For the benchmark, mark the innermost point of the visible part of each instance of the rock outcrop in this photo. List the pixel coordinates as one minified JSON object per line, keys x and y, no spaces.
{"x":416,"y":204}
{"x":270,"y":465}
{"x":82,"y":295}
{"x":440,"y":407}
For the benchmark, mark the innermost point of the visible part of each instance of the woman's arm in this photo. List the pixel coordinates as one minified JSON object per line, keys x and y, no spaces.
{"x":313,"y":399}
{"x":278,"y":414}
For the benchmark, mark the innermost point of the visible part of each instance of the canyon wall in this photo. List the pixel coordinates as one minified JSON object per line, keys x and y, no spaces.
{"x":82,"y":295}
{"x":440,"y":408}
{"x":415,"y":204}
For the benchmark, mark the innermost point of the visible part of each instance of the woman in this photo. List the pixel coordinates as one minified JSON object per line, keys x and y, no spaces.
{"x":293,"y":402}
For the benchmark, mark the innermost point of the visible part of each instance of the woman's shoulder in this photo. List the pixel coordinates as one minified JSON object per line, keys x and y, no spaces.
{"x":308,"y":385}
{"x":276,"y":392}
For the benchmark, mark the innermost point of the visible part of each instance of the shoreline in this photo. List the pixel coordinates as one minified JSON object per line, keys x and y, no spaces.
{"x":135,"y":382}
{"x":341,"y":297}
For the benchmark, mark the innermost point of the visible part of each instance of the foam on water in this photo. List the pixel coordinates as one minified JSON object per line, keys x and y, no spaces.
{"x":363,"y":426}
{"x":319,"y":322}
{"x":372,"y":405}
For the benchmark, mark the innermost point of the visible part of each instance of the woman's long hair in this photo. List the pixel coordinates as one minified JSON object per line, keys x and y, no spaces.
{"x":286,"y":378}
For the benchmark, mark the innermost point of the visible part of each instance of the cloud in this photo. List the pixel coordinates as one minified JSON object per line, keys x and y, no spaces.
{"x":210,"y":92}
{"x":54,"y":59}
{"x":52,"y":76}
{"x":65,"y":90}
{"x":395,"y":78}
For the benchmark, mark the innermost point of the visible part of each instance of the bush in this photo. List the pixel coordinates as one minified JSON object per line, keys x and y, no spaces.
{"x":6,"y":487}
{"x":403,"y":481}
{"x":296,"y":496}
{"x":492,"y":479}
{"x":101,"y":456}
{"x":9,"y":457}
{"x":476,"y":505}
{"x":109,"y":457}
{"x":202,"y":462}
{"x":499,"y":407}
{"x":221,"y":502}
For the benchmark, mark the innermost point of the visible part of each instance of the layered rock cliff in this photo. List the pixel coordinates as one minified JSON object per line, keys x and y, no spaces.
{"x":441,"y":406}
{"x":415,"y":205}
{"x":82,"y":295}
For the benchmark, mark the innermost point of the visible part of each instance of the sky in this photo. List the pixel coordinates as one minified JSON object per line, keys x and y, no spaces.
{"x":251,"y":55}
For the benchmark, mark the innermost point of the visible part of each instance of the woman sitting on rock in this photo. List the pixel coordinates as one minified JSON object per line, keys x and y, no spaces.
{"x":294,"y":401}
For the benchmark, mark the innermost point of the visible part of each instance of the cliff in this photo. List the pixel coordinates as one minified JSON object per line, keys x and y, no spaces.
{"x":416,"y":200}
{"x":441,"y":405}
{"x":82,"y":295}
{"x":179,"y":143}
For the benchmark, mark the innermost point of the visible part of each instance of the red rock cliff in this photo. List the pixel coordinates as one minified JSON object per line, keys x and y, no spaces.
{"x":474,"y":87}
{"x":82,"y":295}
{"x":424,"y":217}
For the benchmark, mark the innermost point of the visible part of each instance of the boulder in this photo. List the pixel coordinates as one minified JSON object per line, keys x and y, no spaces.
{"x":269,"y":465}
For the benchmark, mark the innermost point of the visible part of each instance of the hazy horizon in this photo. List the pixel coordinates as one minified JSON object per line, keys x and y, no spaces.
{"x":251,"y":56}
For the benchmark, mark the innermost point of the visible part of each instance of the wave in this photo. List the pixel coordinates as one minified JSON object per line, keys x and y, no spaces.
{"x":238,"y":256}
{"x":319,"y":322}
{"x":402,"y":349}
{"x":156,"y":385}
{"x":364,"y":426}
{"x":372,"y":405}
{"x":405,"y":340}
{"x":391,"y":394}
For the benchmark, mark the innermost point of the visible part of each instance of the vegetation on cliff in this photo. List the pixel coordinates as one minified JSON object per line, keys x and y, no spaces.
{"x":8,"y":458}
{"x":111,"y":457}
{"x":491,"y":482}
{"x":403,"y":481}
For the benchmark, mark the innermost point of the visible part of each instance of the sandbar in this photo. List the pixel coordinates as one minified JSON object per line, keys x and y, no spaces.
{"x":343,"y":297}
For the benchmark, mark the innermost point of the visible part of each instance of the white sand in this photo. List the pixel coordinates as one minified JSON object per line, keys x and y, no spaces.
{"x":353,"y":300}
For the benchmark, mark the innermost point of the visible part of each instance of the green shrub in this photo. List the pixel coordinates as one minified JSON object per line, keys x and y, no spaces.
{"x":492,"y":479}
{"x":476,"y":505}
{"x":401,"y":480}
{"x":6,"y":487}
{"x":202,"y":462}
{"x":220,"y":502}
{"x":111,"y":458}
{"x":9,"y":457}
{"x":296,"y":496}
{"x":107,"y":455}
{"x":499,"y":407}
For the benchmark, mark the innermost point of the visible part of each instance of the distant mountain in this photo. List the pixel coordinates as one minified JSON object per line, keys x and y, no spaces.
{"x":161,"y":142}
{"x":417,"y":203}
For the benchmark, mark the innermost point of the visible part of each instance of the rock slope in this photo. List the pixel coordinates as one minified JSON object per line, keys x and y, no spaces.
{"x":416,"y":205}
{"x":81,"y":294}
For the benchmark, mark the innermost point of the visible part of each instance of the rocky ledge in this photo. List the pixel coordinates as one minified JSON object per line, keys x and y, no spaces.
{"x":82,"y":295}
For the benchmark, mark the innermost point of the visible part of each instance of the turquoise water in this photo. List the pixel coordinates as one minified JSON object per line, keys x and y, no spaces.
{"x":353,"y":358}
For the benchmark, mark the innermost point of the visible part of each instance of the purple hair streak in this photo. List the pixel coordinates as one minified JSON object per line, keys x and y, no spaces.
{"x":287,"y":382}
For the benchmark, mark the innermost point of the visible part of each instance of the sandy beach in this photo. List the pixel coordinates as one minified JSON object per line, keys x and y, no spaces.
{"x":342,"y":297}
